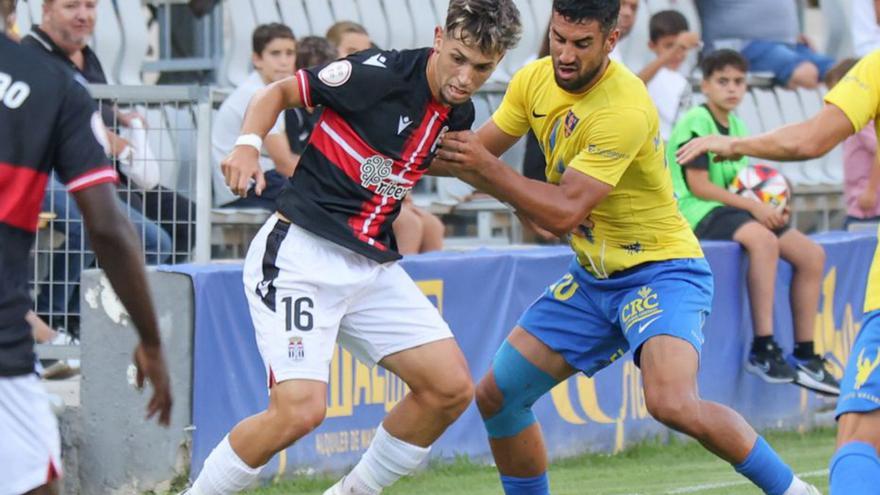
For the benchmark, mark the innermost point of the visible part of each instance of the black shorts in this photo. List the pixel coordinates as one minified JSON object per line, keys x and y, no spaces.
{"x":722,"y":222}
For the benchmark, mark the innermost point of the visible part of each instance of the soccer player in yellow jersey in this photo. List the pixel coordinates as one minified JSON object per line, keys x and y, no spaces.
{"x":638,"y":280}
{"x":849,"y":106}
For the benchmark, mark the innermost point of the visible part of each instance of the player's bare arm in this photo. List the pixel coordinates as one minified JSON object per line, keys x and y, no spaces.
{"x":242,"y":164}
{"x":116,"y":244}
{"x":556,"y":208}
{"x":802,"y":141}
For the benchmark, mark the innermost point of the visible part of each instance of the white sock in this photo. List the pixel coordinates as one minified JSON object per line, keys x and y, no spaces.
{"x":798,"y":487}
{"x":224,"y":472}
{"x":386,"y":461}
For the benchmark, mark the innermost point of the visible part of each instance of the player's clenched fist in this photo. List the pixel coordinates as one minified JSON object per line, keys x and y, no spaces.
{"x":462,"y":152}
{"x":241,"y":167}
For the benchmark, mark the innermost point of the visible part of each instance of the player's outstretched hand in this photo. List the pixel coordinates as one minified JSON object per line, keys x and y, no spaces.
{"x":240,"y":168}
{"x":722,"y":146}
{"x":462,"y":153}
{"x":150,"y":364}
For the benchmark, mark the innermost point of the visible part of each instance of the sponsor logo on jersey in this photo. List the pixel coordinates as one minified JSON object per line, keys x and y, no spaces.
{"x":614,"y":155}
{"x":376,"y":175}
{"x":336,"y":74}
{"x":403,"y":123}
{"x":377,"y":60}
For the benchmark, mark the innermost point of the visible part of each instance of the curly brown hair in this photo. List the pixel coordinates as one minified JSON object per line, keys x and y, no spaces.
{"x":493,"y":26}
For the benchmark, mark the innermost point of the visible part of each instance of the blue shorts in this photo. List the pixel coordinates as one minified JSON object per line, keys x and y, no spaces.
{"x":860,"y":388}
{"x":591,"y":322}
{"x":782,"y":58}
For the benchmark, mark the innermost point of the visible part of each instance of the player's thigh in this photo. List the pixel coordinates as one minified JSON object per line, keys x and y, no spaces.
{"x":30,"y":449}
{"x":801,"y":251}
{"x":858,"y":407}
{"x":570,"y":324}
{"x":295,"y":287}
{"x":671,"y":298}
{"x":392,"y":315}
{"x":438,"y":367}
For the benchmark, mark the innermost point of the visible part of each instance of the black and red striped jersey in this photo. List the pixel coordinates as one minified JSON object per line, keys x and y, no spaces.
{"x":376,"y":137}
{"x":48,"y":122}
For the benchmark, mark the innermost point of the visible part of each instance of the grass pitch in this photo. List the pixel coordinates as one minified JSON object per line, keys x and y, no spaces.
{"x":646,"y":469}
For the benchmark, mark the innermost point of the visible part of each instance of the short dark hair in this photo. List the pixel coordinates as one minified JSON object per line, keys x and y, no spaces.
{"x":314,"y":50}
{"x":719,"y":59}
{"x":267,"y":33}
{"x":666,"y":23}
{"x":492,"y":26}
{"x":603,"y":11}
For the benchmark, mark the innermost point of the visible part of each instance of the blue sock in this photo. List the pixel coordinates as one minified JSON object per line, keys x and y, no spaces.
{"x":855,"y":469}
{"x":765,"y":469}
{"x":539,"y":485}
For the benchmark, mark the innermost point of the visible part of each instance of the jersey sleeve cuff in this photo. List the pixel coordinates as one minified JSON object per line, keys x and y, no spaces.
{"x":101,"y":175}
{"x":302,"y":79}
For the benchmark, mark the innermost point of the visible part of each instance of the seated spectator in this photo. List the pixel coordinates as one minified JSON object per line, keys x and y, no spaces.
{"x":626,"y":19}
{"x":670,"y":41}
{"x":349,"y":37}
{"x":763,"y":230}
{"x":64,"y":32}
{"x":274,"y":58}
{"x":861,"y":167}
{"x":768,"y":34}
{"x":865,"y":26}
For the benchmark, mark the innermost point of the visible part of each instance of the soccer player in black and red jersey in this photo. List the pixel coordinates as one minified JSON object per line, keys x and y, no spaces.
{"x":48,"y":121}
{"x":324,"y":266}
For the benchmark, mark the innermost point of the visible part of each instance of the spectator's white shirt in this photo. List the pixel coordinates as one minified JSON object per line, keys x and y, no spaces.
{"x":671,"y":93}
{"x":865,"y":30}
{"x":226,"y":128}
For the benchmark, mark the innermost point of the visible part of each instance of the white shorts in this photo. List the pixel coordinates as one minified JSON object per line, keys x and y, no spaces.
{"x":304,"y":292}
{"x":30,"y":447}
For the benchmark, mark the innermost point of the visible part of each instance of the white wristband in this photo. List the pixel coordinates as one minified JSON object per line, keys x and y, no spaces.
{"x":250,"y":140}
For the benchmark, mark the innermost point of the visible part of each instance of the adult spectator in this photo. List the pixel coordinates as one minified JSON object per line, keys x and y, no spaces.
{"x":670,"y":40}
{"x":349,"y":37}
{"x":865,"y":26}
{"x":274,"y":57}
{"x":64,"y":33}
{"x":768,"y":34}
{"x":626,"y":19}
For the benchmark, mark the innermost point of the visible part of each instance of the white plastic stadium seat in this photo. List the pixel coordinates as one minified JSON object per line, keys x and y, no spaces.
{"x":265,"y":11}
{"x":792,"y":112}
{"x":771,"y":116}
{"x":36,"y":8}
{"x":237,"y":59}
{"x":346,"y":10}
{"x":134,"y":49}
{"x":440,"y":8}
{"x":107,"y":41}
{"x":400,"y":24}
{"x":748,"y":112}
{"x":542,"y":10}
{"x":482,"y":109}
{"x":23,"y":17}
{"x":320,"y":16}
{"x":374,"y":21}
{"x":424,"y":22}
{"x":294,"y":15}
{"x":838,"y":23}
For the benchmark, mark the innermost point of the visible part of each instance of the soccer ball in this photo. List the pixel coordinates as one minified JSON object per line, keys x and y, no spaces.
{"x":762,"y":183}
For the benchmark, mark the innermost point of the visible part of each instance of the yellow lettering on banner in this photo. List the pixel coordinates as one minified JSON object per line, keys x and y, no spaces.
{"x":827,"y":336}
{"x":378,"y":386}
{"x":395,"y":390}
{"x":433,"y":289}
{"x":562,"y":402}
{"x":340,"y":396}
{"x":282,"y":466}
{"x":589,"y":400}
{"x":362,"y":382}
{"x":341,"y":442}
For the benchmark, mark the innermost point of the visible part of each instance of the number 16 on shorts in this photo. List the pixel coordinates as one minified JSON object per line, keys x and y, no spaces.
{"x":298,"y":315}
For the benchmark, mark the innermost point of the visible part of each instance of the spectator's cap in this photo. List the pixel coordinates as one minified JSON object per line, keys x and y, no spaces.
{"x":314,"y":50}
{"x":838,"y":72}
{"x":666,"y":23}
{"x":719,"y":59}
{"x":492,"y":26}
{"x":605,"y":12}
{"x":266,"y":33}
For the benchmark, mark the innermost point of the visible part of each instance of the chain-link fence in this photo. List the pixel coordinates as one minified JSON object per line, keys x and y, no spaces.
{"x":159,"y":138}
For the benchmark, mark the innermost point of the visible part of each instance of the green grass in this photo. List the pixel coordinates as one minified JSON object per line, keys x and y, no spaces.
{"x":646,"y":469}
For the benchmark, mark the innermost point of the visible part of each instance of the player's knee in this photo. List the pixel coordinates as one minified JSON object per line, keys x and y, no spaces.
{"x":489,"y":398}
{"x":762,"y":240}
{"x":294,"y":421}
{"x":814,"y":259}
{"x":805,"y":75}
{"x":451,"y":395}
{"x":677,"y":410}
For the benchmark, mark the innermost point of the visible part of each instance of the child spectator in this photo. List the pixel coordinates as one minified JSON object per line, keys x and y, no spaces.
{"x":763,"y":230}
{"x":670,"y":40}
{"x":861,"y":169}
{"x":349,"y":37}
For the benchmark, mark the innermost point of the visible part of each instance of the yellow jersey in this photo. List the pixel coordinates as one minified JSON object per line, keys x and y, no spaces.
{"x":611,"y":133}
{"x":858,"y":95}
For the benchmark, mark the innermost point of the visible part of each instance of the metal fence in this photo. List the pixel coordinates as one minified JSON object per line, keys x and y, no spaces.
{"x":162,"y":152}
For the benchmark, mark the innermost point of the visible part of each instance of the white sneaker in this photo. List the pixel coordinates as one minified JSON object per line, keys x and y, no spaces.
{"x":338,"y":489}
{"x":335,"y":489}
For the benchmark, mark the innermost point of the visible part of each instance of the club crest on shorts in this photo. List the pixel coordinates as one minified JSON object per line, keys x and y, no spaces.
{"x":295,"y":349}
{"x":571,"y":121}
